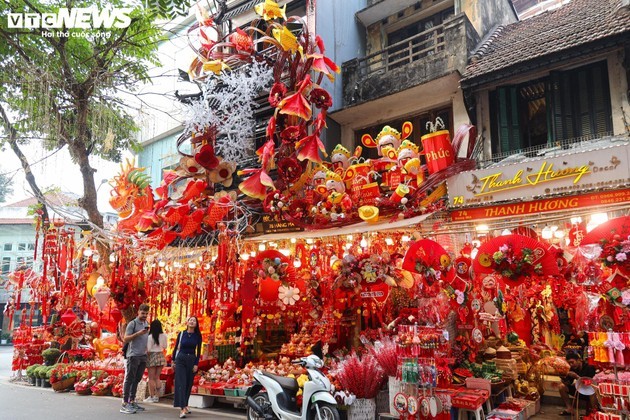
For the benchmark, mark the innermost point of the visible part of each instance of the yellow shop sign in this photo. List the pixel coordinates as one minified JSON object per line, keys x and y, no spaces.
{"x":545,"y":173}
{"x":553,"y":176}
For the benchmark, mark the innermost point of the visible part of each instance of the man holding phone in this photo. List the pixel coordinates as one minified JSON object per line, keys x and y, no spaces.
{"x":136,"y":334}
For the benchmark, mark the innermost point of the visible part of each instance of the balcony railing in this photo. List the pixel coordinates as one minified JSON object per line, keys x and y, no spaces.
{"x":402,"y":53}
{"x":421,"y":58}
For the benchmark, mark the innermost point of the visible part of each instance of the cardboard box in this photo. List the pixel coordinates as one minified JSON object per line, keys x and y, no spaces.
{"x":551,"y":383}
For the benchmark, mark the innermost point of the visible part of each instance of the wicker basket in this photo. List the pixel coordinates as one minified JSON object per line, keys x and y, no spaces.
{"x":63,"y":384}
{"x":86,"y":391}
{"x":103,"y":392}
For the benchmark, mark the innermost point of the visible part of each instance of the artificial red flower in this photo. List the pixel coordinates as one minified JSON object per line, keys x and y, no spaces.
{"x":256,"y":185}
{"x":206,"y":157}
{"x":271,"y":128}
{"x":322,"y":63}
{"x":320,"y":121}
{"x":320,"y":98}
{"x":292,"y":133}
{"x":296,"y":104}
{"x":309,"y":148}
{"x":270,"y":202}
{"x":277,"y":93}
{"x":289,"y":169}
{"x":266,"y":153}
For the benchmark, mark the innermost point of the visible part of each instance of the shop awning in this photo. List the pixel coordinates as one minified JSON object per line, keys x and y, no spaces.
{"x":362,"y":227}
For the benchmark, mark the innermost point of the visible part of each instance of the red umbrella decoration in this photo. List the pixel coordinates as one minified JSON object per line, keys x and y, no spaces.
{"x":608,"y":230}
{"x":273,"y":269}
{"x":520,"y":256}
{"x":428,"y":258}
{"x":272,"y":254}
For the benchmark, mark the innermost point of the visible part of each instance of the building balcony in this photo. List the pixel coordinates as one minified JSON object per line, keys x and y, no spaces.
{"x":381,"y":9}
{"x":424,"y":57}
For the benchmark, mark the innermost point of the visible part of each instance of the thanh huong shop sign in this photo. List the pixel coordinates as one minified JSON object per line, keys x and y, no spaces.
{"x":565,"y":174}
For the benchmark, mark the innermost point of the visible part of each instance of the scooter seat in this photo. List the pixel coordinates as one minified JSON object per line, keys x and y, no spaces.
{"x":289,"y":384}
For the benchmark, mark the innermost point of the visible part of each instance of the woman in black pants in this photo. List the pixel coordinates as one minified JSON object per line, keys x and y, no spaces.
{"x":187,"y":353}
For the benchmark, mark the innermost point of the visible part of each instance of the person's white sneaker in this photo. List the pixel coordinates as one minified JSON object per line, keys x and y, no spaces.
{"x":149,"y":400}
{"x":156,"y":399}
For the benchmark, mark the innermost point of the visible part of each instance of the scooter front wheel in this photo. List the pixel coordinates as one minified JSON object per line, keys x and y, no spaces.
{"x":262,"y":399}
{"x":326,"y":411}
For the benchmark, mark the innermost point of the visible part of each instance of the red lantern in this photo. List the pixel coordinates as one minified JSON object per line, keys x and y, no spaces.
{"x":68,"y":317}
{"x":116,"y":314}
{"x":269,"y":289}
{"x":438,"y":151}
{"x":301,"y":285}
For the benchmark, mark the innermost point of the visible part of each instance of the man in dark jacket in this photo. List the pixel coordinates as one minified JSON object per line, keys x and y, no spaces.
{"x":579,"y":369}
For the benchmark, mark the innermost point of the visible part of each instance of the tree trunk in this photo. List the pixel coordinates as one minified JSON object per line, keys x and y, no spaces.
{"x":30,"y":178}
{"x":79,"y":149}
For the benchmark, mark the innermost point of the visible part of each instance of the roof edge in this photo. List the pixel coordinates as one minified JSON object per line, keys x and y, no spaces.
{"x":579,"y":50}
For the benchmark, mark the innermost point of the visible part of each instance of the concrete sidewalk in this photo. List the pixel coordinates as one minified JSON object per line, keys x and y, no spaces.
{"x":19,"y":401}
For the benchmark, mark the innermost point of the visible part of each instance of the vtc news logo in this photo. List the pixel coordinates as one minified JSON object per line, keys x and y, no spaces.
{"x":81,"y":18}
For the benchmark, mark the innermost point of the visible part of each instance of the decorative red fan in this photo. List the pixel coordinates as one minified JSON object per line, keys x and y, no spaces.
{"x":607,"y":230}
{"x":483,"y":261}
{"x":525,"y":231}
{"x":273,"y":254}
{"x":425,"y":254}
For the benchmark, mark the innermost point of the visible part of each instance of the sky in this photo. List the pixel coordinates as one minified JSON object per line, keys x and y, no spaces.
{"x":57,"y":170}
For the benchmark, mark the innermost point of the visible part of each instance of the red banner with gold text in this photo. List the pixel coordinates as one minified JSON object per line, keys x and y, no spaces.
{"x":542,"y":206}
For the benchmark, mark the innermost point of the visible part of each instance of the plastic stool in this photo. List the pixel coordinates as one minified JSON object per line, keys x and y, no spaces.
{"x":479,"y":414}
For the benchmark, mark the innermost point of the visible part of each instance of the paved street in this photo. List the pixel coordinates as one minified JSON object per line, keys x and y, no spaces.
{"x":25,"y":402}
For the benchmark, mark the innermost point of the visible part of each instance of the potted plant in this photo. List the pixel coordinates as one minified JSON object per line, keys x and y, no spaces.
{"x":30,"y":372}
{"x":51,"y":356}
{"x":46,"y":376}
{"x":38,"y":375}
{"x":363,"y":377}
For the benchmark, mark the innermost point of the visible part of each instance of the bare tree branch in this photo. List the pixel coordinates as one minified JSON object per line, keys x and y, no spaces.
{"x":30,"y":178}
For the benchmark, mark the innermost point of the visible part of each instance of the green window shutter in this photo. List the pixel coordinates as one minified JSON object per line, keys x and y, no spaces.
{"x":581,"y":102}
{"x":509,"y":119}
{"x":601,"y":113}
{"x":562,"y":109}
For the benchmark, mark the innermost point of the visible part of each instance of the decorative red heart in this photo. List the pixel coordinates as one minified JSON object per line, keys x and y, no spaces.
{"x":206,"y":157}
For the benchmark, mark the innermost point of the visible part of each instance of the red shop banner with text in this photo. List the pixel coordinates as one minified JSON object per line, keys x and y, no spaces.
{"x":542,"y":206}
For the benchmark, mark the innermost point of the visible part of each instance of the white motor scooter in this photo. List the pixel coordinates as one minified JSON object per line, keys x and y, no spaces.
{"x":274,"y":397}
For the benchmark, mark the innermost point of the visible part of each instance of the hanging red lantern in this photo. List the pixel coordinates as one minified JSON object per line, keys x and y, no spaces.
{"x":301,"y":285}
{"x":116,"y":314}
{"x":68,"y":317}
{"x":269,"y":289}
